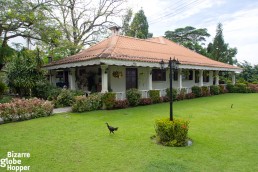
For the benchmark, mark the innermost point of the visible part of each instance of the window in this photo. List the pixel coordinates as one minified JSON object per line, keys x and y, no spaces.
{"x":158,"y":75}
{"x":175,"y":75}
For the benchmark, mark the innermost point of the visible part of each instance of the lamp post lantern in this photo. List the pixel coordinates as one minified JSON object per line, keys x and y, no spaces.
{"x":173,"y":65}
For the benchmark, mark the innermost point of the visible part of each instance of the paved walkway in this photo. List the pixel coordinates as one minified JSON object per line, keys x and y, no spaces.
{"x":62,"y":110}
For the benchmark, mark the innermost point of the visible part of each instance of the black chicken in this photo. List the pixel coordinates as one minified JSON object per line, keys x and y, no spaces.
{"x":111,"y":129}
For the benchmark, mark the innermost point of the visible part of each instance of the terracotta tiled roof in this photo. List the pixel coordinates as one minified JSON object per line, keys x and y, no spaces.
{"x":144,"y":50}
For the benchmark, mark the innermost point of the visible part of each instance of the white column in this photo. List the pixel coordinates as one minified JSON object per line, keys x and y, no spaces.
{"x":217,"y":77}
{"x":179,"y":79}
{"x":200,"y":78}
{"x":104,"y":78}
{"x":72,"y":79}
{"x":150,"y":78}
{"x":233,"y":78}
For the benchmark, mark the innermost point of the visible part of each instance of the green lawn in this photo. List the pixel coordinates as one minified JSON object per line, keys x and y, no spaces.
{"x":224,"y":139}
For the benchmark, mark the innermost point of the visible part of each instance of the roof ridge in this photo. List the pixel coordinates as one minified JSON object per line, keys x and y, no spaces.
{"x":145,"y":40}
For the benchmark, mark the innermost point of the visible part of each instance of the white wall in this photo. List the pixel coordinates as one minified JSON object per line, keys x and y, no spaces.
{"x":116,"y":84}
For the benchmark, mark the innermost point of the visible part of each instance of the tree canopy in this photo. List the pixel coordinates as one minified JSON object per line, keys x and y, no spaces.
{"x":219,"y":50}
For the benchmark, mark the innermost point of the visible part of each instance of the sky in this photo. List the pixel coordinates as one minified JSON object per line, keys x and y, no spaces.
{"x":239,"y":20}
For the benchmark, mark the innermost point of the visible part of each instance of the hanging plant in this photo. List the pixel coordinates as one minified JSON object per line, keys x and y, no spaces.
{"x":117,"y":74}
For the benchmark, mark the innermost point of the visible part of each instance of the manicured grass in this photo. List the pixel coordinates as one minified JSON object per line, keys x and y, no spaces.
{"x":225,"y":138}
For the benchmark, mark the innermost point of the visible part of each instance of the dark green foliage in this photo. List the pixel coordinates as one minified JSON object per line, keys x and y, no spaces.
{"x":90,"y":103}
{"x":133,"y":96}
{"x":249,"y":74}
{"x":214,"y":89}
{"x":108,"y":100}
{"x":43,"y":89}
{"x":53,"y":93}
{"x":205,"y":91}
{"x":219,"y":50}
{"x":2,"y":88}
{"x":64,"y":99}
{"x":154,"y":96}
{"x":197,"y":91}
{"x":172,"y":133}
{"x":121,"y":104}
{"x":145,"y":101}
{"x":174,"y":93}
{"x":241,"y":88}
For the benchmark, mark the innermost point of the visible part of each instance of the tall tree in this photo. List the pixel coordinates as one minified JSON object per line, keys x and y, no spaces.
{"x":250,"y":73}
{"x":126,"y":19}
{"x":189,"y":37}
{"x":139,"y":27}
{"x":219,"y":50}
{"x":82,"y":21}
{"x":23,"y":18}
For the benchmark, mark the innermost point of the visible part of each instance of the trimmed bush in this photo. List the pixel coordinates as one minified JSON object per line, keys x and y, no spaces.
{"x":205,"y":91}
{"x":90,"y":103}
{"x":172,"y":133}
{"x":197,"y":91}
{"x":145,"y":101}
{"x":23,"y":109}
{"x":240,"y":88}
{"x":165,"y":99}
{"x":214,"y":90}
{"x":154,"y":95}
{"x":133,"y":96}
{"x":174,"y":93}
{"x":230,"y":88}
{"x":64,"y":99}
{"x":108,"y":100}
{"x":121,"y":104}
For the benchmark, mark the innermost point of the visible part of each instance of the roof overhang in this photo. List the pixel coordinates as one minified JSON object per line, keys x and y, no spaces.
{"x":105,"y":61}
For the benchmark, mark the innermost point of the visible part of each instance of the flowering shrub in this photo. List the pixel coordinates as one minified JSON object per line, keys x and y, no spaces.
{"x":154,"y":95}
{"x":165,"y":99}
{"x":222,"y":89}
{"x":214,"y":90}
{"x":181,"y":95}
{"x":23,"y":109}
{"x":190,"y":96}
{"x":145,"y":101}
{"x":108,"y":100}
{"x":253,"y":88}
{"x":83,"y":103}
{"x":205,"y":91}
{"x":197,"y":91}
{"x":133,"y":96}
{"x":172,"y":133}
{"x":121,"y":104}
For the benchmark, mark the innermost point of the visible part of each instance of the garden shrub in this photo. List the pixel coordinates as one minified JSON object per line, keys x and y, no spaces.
{"x":214,"y":90}
{"x":2,"y":88}
{"x":23,"y":109}
{"x":240,"y":88}
{"x":190,"y":96}
{"x":165,"y":99}
{"x":43,"y":89}
{"x":172,"y":133}
{"x":205,"y":91}
{"x":90,"y":103}
{"x":154,"y":95}
{"x":108,"y":100}
{"x":181,"y":95}
{"x":197,"y":91}
{"x":174,"y":93}
{"x":121,"y":104}
{"x":133,"y":96}
{"x":230,"y":88}
{"x":145,"y":101}
{"x":64,"y":99}
{"x":53,"y":93}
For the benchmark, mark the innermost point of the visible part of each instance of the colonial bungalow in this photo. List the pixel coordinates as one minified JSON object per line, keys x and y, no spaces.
{"x":119,"y":63}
